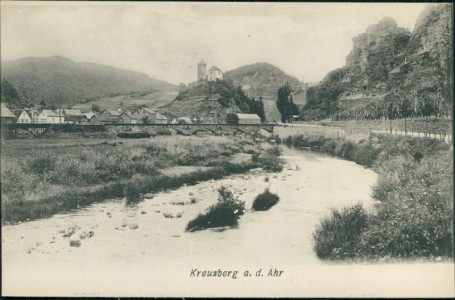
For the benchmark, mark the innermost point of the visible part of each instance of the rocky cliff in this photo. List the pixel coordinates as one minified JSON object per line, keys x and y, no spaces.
{"x":390,"y":72}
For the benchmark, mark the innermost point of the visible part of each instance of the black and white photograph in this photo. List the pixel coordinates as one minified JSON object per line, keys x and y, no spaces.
{"x":227,"y":149}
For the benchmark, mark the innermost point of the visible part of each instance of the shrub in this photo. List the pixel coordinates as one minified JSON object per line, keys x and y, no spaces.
{"x":265,"y":201}
{"x":225,"y":212}
{"x":269,"y":160}
{"x":337,"y":236}
{"x":42,"y":164}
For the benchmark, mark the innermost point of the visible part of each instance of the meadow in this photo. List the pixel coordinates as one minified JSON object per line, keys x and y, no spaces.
{"x":44,"y":177}
{"x":414,"y":214}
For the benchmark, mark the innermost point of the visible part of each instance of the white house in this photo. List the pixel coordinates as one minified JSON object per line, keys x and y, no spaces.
{"x":48,"y":116}
{"x":160,"y":119}
{"x":214,"y":74}
{"x":22,"y":116}
{"x":249,"y":119}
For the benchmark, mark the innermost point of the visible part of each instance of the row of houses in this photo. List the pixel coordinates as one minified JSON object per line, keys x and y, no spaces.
{"x":142,"y":115}
{"x":74,"y":116}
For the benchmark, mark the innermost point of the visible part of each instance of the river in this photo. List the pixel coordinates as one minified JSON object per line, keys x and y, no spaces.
{"x":135,"y":250}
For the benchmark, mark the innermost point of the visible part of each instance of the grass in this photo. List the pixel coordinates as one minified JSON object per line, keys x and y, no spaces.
{"x":40,"y":179}
{"x":269,"y":160}
{"x":265,"y":201}
{"x":415,"y":215}
{"x":225,"y":212}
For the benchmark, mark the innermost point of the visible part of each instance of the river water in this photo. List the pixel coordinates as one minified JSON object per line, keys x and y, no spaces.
{"x":118,"y":249}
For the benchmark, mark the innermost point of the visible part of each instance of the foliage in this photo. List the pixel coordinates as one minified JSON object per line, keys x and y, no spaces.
{"x":285,"y":103}
{"x":338,"y":235}
{"x":265,"y":201}
{"x":269,"y":160}
{"x":51,"y":178}
{"x":225,"y":212}
{"x":232,"y":119}
{"x":415,"y":217}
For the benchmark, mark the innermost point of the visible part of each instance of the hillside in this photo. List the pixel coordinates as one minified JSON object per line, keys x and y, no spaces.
{"x":211,"y":100}
{"x":264,"y":80}
{"x":390,"y":72}
{"x":61,"y":81}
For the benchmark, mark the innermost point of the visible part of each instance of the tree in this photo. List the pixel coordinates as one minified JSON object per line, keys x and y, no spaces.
{"x":9,"y":94}
{"x":260,"y":110}
{"x":232,"y":119}
{"x":43,"y":104}
{"x":284,"y":103}
{"x":96,"y":108}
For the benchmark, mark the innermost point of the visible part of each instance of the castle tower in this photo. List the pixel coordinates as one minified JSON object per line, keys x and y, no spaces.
{"x":201,"y":70}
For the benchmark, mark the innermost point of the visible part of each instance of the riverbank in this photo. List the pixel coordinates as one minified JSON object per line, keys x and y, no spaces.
{"x":47,"y":178}
{"x":414,"y":216}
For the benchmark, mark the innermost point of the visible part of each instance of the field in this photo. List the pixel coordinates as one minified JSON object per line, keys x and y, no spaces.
{"x":44,"y":176}
{"x":153,"y":101}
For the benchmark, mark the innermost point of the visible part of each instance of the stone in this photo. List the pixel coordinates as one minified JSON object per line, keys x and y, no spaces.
{"x":75,"y":243}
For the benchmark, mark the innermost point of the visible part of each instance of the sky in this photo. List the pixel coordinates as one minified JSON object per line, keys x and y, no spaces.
{"x":167,"y":40}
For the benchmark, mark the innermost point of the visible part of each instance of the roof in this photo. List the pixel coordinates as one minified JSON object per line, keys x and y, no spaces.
{"x":51,"y":113}
{"x":146,"y":109}
{"x":6,"y":113}
{"x":112,"y":112}
{"x":248,"y":117}
{"x":75,"y":117}
{"x":202,"y":62}
{"x":215,"y":68}
{"x":72,"y":112}
{"x":89,"y":115}
{"x":18,"y":112}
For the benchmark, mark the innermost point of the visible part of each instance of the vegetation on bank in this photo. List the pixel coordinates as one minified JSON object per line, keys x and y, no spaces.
{"x":415,"y":215}
{"x":41,"y":180}
{"x":265,"y":201}
{"x":224,"y":213}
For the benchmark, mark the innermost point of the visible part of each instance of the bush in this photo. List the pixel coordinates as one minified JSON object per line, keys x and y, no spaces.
{"x":337,"y":236}
{"x":265,"y":201}
{"x":42,"y":164}
{"x":225,"y":212}
{"x":269,"y":160}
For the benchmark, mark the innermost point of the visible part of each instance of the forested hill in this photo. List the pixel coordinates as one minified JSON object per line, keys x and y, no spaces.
{"x":264,"y":80}
{"x":60,"y":81}
{"x":391,"y":72}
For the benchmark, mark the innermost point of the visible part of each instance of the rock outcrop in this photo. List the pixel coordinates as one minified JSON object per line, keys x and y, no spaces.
{"x":390,"y":73}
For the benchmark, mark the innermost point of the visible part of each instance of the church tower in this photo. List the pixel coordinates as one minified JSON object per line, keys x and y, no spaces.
{"x":201,"y":70}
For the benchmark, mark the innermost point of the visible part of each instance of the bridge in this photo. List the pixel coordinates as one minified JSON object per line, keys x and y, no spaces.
{"x":38,"y":129}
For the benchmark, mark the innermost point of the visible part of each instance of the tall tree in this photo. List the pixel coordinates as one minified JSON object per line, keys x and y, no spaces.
{"x":284,"y":102}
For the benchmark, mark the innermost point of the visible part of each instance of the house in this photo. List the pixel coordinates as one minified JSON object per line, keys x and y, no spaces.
{"x":34,"y":114}
{"x":144,"y":111}
{"x":72,"y":112}
{"x":248,"y":118}
{"x":22,"y":116}
{"x":110,"y":113}
{"x":89,"y":114}
{"x":48,"y":116}
{"x":7,"y":116}
{"x":110,"y":117}
{"x":75,"y":119}
{"x":93,"y":120}
{"x":160,"y":119}
{"x":184,"y":120}
{"x":214,"y":74}
{"x":128,"y":118}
